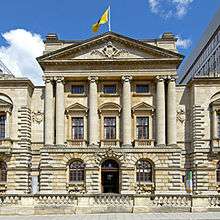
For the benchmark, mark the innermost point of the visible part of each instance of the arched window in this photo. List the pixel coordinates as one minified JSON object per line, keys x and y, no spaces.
{"x":218,"y":172}
{"x":144,"y":171}
{"x":76,"y":171}
{"x":3,"y":171}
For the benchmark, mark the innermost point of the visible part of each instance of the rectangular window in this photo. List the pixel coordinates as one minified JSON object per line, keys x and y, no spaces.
{"x":78,"y":128}
{"x":142,"y":128}
{"x":110,"y":127}
{"x":35,"y":184}
{"x":77,"y":89}
{"x":2,"y":126}
{"x":109,"y":89}
{"x":142,"y":88}
{"x":218,"y":124}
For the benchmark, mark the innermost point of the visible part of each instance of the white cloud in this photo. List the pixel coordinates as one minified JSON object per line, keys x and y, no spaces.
{"x":19,"y":56}
{"x":183,"y":43}
{"x":170,"y":8}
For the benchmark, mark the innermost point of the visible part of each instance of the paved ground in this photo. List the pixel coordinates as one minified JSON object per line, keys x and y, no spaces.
{"x":148,"y":216}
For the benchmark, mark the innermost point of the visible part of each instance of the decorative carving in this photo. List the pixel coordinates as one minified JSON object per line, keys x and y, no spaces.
{"x":181,"y":115}
{"x":109,"y":153}
{"x":144,"y":188}
{"x":79,"y":188}
{"x":109,"y":51}
{"x":37,"y":116}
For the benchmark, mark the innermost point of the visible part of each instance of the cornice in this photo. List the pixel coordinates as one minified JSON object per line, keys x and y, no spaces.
{"x":108,"y":37}
{"x":112,"y":61}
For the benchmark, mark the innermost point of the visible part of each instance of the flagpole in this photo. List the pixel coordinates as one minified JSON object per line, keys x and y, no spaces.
{"x":109,"y":19}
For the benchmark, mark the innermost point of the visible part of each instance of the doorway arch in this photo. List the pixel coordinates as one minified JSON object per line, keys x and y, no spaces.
{"x":110,"y":176}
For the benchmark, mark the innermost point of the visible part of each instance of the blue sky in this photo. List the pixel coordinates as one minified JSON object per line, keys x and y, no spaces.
{"x":141,"y":19}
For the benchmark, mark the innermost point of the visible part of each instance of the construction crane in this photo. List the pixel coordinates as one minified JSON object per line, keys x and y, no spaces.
{"x":4,"y":70}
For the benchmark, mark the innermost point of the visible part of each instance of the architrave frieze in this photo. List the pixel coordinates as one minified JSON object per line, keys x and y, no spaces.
{"x":65,"y":149}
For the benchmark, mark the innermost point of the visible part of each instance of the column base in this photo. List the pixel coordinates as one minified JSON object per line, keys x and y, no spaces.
{"x":93,"y":145}
{"x":172,"y":145}
{"x":161,"y":145}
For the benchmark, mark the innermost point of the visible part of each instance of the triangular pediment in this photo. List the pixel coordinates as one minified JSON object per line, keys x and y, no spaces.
{"x":109,"y":46}
{"x":76,"y":107}
{"x":142,"y":107}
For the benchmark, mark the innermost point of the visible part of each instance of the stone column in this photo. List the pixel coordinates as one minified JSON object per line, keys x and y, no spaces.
{"x":171,"y":111}
{"x":49,"y":112}
{"x":126,"y":110}
{"x":160,"y":112}
{"x":60,"y":108}
{"x":93,"y":111}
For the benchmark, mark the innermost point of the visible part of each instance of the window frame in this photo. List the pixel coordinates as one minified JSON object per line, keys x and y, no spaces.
{"x":3,"y":114}
{"x":110,"y":126}
{"x":144,"y":174}
{"x":77,"y":174}
{"x":137,"y":83}
{"x":142,"y":84}
{"x":79,"y":127}
{"x":109,"y":84}
{"x":145,"y":126}
{"x":79,"y":85}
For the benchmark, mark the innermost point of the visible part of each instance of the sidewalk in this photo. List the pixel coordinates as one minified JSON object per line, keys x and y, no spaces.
{"x":124,"y":216}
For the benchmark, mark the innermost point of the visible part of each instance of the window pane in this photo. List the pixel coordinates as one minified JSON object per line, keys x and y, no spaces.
{"x":110,"y":127}
{"x":77,"y":89}
{"x":142,"y":127}
{"x":2,"y":126}
{"x":78,"y":128}
{"x":144,"y":171}
{"x":109,"y":89}
{"x":142,"y":88}
{"x":218,"y":124}
{"x":76,"y":171}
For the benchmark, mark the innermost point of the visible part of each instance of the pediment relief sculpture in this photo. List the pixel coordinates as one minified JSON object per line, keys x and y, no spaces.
{"x":109,"y":51}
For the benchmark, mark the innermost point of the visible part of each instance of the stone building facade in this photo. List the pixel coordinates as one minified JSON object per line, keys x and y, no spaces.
{"x":110,"y":131}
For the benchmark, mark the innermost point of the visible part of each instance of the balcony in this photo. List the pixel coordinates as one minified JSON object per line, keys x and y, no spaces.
{"x":140,"y":143}
{"x":110,"y":143}
{"x":77,"y":143}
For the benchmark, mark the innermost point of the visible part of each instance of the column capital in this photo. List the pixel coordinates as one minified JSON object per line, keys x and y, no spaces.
{"x":59,"y":79}
{"x":161,"y":78}
{"x":93,"y":79}
{"x":172,"y":78}
{"x":48,"y":79}
{"x":126,"y":78}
